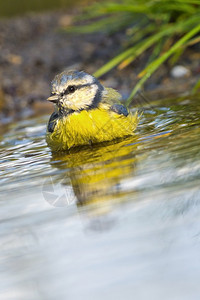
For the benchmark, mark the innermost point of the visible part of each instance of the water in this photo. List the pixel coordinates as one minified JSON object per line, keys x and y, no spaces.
{"x":117,"y":221}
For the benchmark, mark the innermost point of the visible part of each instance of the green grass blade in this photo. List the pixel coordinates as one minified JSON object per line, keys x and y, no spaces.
{"x":113,"y":62}
{"x":132,"y":52}
{"x":196,"y":87}
{"x":108,"y":8}
{"x":101,"y":25}
{"x":151,"y":68}
{"x":138,"y":49}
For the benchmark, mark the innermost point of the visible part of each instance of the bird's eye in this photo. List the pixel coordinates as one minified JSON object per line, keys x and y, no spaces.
{"x":71,"y":89}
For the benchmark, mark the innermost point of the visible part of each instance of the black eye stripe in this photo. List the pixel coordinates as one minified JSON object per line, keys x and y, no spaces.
{"x":72,"y":88}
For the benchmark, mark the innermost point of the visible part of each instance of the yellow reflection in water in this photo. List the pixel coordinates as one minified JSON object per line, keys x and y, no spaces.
{"x":96,"y":172}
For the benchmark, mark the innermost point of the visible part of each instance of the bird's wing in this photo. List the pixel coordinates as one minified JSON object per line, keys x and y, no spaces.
{"x":119,"y":109}
{"x":111,"y":96}
{"x":111,"y":100}
{"x":52,"y":122}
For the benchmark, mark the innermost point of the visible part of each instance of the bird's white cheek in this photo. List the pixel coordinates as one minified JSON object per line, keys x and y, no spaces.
{"x":72,"y":102}
{"x":81,"y":99}
{"x":90,"y":94}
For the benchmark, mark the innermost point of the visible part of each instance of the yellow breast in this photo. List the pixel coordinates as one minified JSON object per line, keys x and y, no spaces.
{"x":88,"y":127}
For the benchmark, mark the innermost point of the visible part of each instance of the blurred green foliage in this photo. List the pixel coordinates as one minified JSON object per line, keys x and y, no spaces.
{"x":164,"y":28}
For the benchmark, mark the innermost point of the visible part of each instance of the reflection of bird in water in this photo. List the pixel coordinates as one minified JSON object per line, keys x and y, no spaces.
{"x":86,"y":112}
{"x":96,"y":172}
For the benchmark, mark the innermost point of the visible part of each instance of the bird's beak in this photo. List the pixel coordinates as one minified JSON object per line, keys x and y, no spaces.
{"x":53,"y":98}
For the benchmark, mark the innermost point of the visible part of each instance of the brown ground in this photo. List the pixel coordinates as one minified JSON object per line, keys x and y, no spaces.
{"x":33,"y":50}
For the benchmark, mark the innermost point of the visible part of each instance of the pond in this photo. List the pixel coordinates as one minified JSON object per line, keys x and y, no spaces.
{"x":114,"y":221}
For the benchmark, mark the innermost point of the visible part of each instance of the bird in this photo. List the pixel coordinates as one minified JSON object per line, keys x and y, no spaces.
{"x":86,"y":112}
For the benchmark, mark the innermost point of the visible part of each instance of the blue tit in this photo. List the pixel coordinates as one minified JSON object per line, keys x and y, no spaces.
{"x":86,"y":112}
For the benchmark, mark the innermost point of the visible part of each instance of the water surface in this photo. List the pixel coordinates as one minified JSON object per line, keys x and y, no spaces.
{"x":114,"y":221}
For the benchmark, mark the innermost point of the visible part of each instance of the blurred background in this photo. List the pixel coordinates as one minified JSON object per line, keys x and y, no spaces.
{"x":118,"y":220}
{"x":33,"y":50}
{"x":117,"y":41}
{"x":13,"y":8}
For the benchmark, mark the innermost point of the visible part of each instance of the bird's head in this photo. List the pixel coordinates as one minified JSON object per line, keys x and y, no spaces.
{"x":75,"y":91}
